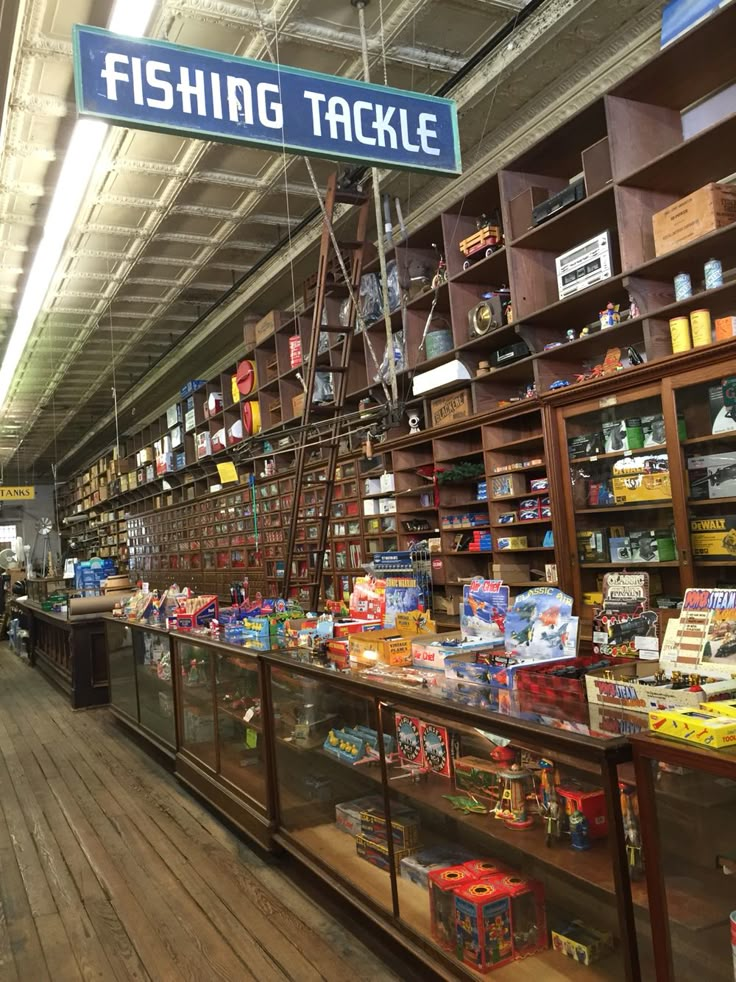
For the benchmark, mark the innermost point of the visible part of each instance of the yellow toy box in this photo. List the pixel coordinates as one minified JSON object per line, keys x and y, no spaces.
{"x":390,"y":647}
{"x":695,"y":726}
{"x":725,"y":708}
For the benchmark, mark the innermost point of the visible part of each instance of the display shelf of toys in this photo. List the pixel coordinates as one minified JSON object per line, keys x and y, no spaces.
{"x":435,"y":812}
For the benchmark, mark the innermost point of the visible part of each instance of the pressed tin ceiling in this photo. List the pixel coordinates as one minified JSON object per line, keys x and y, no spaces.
{"x":168,"y":224}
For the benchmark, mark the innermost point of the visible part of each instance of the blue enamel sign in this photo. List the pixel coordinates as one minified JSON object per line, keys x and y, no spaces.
{"x":155,"y":85}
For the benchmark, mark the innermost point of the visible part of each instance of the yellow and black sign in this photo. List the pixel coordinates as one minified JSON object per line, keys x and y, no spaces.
{"x":25,"y":493}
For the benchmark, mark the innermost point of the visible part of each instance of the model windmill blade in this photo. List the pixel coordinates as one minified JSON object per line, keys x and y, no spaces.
{"x":44,"y":526}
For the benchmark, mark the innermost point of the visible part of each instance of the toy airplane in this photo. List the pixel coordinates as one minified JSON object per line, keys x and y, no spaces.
{"x":466,"y":804}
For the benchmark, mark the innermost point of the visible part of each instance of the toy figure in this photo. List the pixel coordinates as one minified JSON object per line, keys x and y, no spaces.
{"x":570,"y":334}
{"x":610,"y":316}
{"x":193,"y":676}
{"x":549,"y":778}
{"x":578,"y":825}
{"x":632,"y":834}
{"x":511,"y":806}
{"x":552,"y":821}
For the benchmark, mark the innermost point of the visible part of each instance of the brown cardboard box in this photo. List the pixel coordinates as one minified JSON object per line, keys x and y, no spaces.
{"x":249,"y":331}
{"x":267,"y":325}
{"x":297,"y":404}
{"x":703,"y":211}
{"x":449,"y":409}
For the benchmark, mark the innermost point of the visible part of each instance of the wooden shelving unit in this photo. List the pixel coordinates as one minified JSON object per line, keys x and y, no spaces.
{"x":646,"y":158}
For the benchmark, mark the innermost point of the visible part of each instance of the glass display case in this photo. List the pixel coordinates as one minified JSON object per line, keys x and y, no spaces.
{"x":484,"y":834}
{"x":222,"y":752}
{"x":141,"y":684}
{"x":621,"y":452}
{"x":705,"y":403}
{"x":687,"y":796}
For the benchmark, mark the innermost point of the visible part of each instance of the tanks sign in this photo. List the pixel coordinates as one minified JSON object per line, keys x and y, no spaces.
{"x":155,"y":85}
{"x":25,"y":493}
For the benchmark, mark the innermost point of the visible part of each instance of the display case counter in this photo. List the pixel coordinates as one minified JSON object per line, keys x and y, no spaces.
{"x":141,"y":681}
{"x":687,"y":797}
{"x":221,"y":719}
{"x":378,"y":788}
{"x":71,"y":653}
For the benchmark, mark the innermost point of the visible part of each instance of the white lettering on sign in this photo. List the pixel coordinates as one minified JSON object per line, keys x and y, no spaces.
{"x":194,"y":93}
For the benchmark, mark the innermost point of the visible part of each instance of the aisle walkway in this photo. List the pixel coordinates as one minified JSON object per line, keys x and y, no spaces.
{"x":109,"y":870}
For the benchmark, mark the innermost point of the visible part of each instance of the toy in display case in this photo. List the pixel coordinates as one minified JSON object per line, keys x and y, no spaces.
{"x":624,"y":625}
{"x":540,"y":625}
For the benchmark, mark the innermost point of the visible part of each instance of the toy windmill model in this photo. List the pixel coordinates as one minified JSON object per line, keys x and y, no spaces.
{"x":43,"y":530}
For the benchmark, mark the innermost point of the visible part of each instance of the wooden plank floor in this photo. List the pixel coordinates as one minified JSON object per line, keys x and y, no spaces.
{"x":110,"y":870}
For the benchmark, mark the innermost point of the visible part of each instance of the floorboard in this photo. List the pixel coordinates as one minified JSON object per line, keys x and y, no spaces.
{"x":110,"y":870}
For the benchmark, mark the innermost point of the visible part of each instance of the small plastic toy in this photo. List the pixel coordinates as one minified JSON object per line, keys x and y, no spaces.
{"x":467,"y":804}
{"x":486,"y":240}
{"x":562,"y":383}
{"x":610,"y":317}
{"x":570,"y":334}
{"x":578,"y":825}
{"x":552,"y":822}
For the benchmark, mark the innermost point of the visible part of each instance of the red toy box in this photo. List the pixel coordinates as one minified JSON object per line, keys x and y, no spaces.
{"x":442,"y":886}
{"x":591,"y":803}
{"x":499,"y":919}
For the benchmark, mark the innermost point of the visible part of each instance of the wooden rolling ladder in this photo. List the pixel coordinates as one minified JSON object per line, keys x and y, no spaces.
{"x":338,"y":366}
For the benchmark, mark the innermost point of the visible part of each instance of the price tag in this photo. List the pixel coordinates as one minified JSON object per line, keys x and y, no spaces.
{"x":593,"y":459}
{"x":628,"y":453}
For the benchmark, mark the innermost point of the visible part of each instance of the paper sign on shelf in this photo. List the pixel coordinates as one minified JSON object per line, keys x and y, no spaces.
{"x":227,"y":472}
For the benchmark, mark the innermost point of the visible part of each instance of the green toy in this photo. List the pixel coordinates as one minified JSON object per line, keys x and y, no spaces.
{"x":467,"y":804}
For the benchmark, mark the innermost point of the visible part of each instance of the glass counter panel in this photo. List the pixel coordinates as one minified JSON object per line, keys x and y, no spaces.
{"x":322,"y":788}
{"x":155,"y":684}
{"x":708,"y":414}
{"x":695,"y":827}
{"x":240,"y":731}
{"x":498,"y":846}
{"x":197,"y":726}
{"x":123,"y":695}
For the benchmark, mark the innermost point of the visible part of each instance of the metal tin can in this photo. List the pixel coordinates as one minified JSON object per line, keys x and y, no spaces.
{"x":683,"y":286}
{"x":701,"y":328}
{"x":680,"y":334}
{"x":713,"y":274}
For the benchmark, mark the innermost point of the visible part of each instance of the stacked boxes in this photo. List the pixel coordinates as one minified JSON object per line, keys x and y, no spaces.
{"x":372,"y":842}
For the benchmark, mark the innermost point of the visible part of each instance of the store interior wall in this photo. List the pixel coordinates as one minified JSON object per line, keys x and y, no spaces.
{"x":26,"y":517}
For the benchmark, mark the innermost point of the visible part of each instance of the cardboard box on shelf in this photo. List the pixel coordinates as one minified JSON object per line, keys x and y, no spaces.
{"x":269,"y":324}
{"x":714,"y":537}
{"x":705,"y":210}
{"x":297,"y":404}
{"x":634,"y":686}
{"x":449,"y":409}
{"x":390,"y":648}
{"x":712,"y":475}
{"x":507,"y":485}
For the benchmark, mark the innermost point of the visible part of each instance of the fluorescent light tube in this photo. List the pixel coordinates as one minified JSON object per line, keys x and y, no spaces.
{"x":129,"y":17}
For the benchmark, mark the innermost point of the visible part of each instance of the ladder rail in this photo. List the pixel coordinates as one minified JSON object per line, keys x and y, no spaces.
{"x":340,"y":373}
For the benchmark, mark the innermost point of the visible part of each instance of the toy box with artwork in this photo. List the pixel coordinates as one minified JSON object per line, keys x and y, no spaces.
{"x":583,"y":944}
{"x":591,"y":802}
{"x":712,"y":475}
{"x":347,"y":813}
{"x":483,"y":612}
{"x":404,"y":826}
{"x":417,"y":868}
{"x":643,"y":686}
{"x":477,"y":776}
{"x":428,"y":651}
{"x":442,"y":886}
{"x":387,"y":646}
{"x":507,"y":485}
{"x":194,"y":612}
{"x":540,"y":625}
{"x":623,"y":625}
{"x":695,"y":726}
{"x":376,"y":852}
{"x":499,"y":919}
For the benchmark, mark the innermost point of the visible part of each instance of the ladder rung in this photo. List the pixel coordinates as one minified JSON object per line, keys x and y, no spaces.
{"x":346,"y":196}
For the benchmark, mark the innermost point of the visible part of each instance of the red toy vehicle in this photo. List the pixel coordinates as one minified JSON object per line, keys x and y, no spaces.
{"x":487,"y":239}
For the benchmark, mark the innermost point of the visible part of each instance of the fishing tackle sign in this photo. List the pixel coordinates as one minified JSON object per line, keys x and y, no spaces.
{"x":147,"y":84}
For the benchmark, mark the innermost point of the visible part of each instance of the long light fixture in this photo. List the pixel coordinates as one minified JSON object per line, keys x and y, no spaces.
{"x":129,"y":17}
